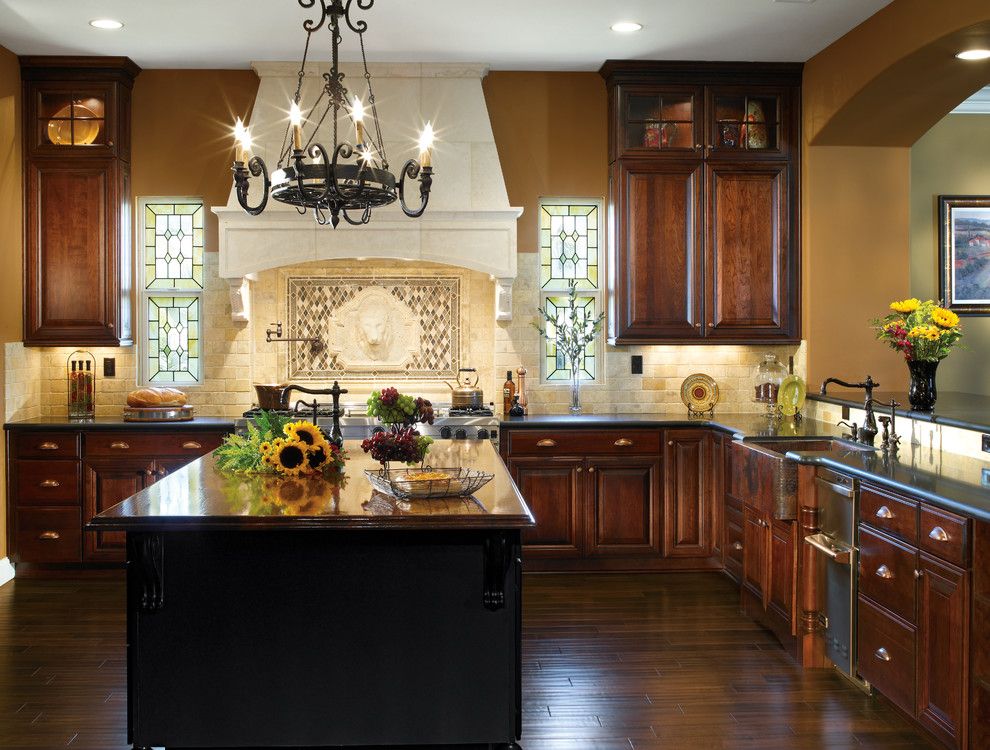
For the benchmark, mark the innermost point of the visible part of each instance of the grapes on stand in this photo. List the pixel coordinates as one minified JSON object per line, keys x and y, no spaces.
{"x":394,"y":408}
{"x":405,"y":445}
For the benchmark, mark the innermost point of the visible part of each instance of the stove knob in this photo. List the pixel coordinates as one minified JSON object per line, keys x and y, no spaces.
{"x":483,"y":434}
{"x":377,"y":430}
{"x":460,"y":434}
{"x":445,"y":433}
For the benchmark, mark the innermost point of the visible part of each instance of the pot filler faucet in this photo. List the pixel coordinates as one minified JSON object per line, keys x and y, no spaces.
{"x":868,"y":432}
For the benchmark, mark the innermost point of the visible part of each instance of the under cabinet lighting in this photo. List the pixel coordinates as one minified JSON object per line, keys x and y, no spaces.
{"x":109,"y":24}
{"x":973,"y":54}
{"x":626,"y":27}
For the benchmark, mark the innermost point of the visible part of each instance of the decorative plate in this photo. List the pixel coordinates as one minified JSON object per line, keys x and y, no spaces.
{"x":699,"y":392}
{"x":791,"y":395}
{"x":87,"y":126}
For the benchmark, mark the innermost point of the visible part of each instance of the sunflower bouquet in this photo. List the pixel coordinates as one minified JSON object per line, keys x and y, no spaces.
{"x":921,"y":331}
{"x":275,"y":444}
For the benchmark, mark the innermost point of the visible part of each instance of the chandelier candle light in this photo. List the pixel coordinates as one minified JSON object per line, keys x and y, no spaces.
{"x":328,"y":183}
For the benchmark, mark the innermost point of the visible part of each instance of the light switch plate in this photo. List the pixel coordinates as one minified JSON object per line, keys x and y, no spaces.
{"x":986,"y":443}
{"x":109,"y":367}
{"x":636,"y":363}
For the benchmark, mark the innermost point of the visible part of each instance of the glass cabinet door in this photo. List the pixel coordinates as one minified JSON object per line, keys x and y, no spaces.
{"x":72,"y":118}
{"x":654,"y":121}
{"x":747,"y":121}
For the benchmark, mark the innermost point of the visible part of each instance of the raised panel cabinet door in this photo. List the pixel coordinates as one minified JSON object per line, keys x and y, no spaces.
{"x":687,"y":511}
{"x":107,"y":482}
{"x":624,"y":502}
{"x":750,"y":284}
{"x":943,"y":646}
{"x":72,"y":294}
{"x":756,"y":552}
{"x":658,"y":237}
{"x":782,"y":588}
{"x":552,"y":488}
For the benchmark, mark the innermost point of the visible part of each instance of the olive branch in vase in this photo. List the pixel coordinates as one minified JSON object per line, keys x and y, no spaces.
{"x":572,"y":335}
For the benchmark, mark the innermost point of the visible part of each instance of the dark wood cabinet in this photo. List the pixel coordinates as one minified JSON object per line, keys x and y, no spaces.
{"x":107,"y":482}
{"x":552,"y":487}
{"x":624,"y":503}
{"x":782,"y":588}
{"x":703,"y":202}
{"x":756,"y":554}
{"x":687,"y":498}
{"x":77,"y":264}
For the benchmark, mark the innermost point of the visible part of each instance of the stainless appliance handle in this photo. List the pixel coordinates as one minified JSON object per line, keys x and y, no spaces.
{"x":840,"y":554}
{"x":839,"y":489}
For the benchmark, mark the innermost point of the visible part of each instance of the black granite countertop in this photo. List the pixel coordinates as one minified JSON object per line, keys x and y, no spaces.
{"x":118,"y":423}
{"x":969,"y":411}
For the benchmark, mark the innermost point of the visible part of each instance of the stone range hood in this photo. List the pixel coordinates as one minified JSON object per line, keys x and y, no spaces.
{"x":469,"y":222}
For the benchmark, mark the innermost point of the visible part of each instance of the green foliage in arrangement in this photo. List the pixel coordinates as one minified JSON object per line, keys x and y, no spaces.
{"x":242,"y":453}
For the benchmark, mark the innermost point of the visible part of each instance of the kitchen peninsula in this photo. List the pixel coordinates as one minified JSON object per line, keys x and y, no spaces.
{"x":305,"y":612}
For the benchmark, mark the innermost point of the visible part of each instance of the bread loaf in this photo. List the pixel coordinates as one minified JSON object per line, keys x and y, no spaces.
{"x":150,"y":397}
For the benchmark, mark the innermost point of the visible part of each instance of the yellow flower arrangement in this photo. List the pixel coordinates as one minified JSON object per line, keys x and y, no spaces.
{"x":944,"y":318}
{"x":288,"y":457}
{"x":275,"y":445}
{"x":921,"y":331}
{"x":905,"y":306}
{"x":306,"y":432}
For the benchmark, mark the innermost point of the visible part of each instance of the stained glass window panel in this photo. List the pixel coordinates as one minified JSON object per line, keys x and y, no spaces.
{"x":173,"y":339}
{"x":173,"y":245}
{"x":557,"y":366}
{"x":569,"y":245}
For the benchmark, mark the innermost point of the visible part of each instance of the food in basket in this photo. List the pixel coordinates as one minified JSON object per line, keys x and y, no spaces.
{"x":152,"y":397}
{"x":426,"y":476}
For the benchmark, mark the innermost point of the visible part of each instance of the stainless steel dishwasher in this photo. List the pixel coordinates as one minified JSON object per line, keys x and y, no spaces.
{"x":838,"y":543}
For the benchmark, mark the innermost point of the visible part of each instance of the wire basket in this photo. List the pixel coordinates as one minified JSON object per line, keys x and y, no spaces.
{"x":403,"y":483}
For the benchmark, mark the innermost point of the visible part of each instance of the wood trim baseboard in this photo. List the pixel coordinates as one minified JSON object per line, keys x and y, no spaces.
{"x":6,"y":570}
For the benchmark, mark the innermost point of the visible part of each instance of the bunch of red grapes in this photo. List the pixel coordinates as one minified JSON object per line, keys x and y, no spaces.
{"x":405,"y":445}
{"x":394,"y":408}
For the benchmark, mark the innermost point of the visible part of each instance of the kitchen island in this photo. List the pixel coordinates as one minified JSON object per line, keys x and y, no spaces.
{"x":270,"y":611}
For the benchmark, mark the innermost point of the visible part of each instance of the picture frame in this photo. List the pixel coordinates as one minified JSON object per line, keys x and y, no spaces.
{"x":964,"y":253}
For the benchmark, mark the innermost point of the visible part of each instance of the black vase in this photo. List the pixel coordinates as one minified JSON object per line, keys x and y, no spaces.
{"x":922,"y":393}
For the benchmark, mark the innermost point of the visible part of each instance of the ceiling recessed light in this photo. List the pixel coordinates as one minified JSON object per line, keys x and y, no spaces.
{"x":106,"y":23}
{"x":626,"y":27}
{"x":973,"y":54}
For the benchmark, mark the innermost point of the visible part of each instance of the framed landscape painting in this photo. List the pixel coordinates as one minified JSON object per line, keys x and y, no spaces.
{"x":964,"y":253}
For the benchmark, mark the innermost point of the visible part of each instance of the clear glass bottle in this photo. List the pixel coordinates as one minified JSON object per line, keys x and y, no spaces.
{"x":80,"y":373}
{"x":769,"y":376}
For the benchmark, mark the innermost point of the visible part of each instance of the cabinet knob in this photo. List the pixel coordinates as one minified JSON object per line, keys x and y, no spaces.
{"x":49,"y":536}
{"x":698,"y":146}
{"x":161,"y":472}
{"x":918,"y":573}
{"x":711,"y":325}
{"x":697,"y":325}
{"x":622,"y":443}
{"x":938,"y":534}
{"x":881,"y":654}
{"x":191,"y":445}
{"x":737,"y":545}
{"x":591,"y":469}
{"x":670,"y":442}
{"x":579,"y":469}
{"x":49,"y":483}
{"x":48,"y":446}
{"x":546,"y":443}
{"x":120,"y":445}
{"x":148,"y":472}
{"x":884,"y":512}
{"x":884,"y":572}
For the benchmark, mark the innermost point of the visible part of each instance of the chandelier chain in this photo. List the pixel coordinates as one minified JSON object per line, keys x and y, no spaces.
{"x":374,"y":106}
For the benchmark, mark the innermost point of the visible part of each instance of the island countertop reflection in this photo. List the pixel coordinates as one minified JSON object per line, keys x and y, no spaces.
{"x":198,"y":496}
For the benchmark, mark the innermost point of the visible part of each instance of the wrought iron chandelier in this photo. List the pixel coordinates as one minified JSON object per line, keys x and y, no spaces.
{"x":330,"y":184}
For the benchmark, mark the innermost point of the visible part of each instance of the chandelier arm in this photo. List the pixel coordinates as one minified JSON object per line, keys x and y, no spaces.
{"x":412,"y":170}
{"x":344,"y":194}
{"x":329,"y":181}
{"x":309,"y":24}
{"x":360,"y":26}
{"x":256,"y":167}
{"x":365,"y":217}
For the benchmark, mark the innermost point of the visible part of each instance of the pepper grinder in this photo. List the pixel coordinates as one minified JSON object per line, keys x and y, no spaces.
{"x":523,"y":401}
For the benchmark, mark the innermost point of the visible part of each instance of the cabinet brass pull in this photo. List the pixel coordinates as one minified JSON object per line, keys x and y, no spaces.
{"x":938,"y":534}
{"x":49,"y":536}
{"x":881,"y":654}
{"x":120,"y":445}
{"x":546,"y":443}
{"x":622,"y":443}
{"x":884,"y":572}
{"x":48,"y":446}
{"x":49,"y":483}
{"x":737,"y":546}
{"x":191,"y":445}
{"x":884,"y":512}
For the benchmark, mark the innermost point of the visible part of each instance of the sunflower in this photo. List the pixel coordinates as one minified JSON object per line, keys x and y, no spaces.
{"x":288,"y":457}
{"x":305,"y":432}
{"x":944,"y":318}
{"x":905,"y":306}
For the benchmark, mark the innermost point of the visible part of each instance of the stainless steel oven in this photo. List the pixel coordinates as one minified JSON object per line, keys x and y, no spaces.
{"x":837,"y":542}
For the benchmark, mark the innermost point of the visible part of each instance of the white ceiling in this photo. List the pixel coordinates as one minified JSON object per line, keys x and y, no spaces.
{"x":509,"y":34}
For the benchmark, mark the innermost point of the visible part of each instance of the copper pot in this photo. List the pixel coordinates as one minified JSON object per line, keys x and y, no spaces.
{"x":466,"y":395}
{"x":273,"y":396}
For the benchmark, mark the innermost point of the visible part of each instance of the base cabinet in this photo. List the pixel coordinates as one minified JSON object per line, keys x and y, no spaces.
{"x":624,"y":500}
{"x":553,"y":490}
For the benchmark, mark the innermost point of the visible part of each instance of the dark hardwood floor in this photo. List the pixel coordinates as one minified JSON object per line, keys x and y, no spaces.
{"x":610,"y":661}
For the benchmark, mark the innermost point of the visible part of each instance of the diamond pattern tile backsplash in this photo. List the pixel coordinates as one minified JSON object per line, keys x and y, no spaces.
{"x":374,"y":327}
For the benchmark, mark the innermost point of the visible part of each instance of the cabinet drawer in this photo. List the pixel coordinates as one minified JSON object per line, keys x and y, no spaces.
{"x":46,"y":482}
{"x":887,"y":573}
{"x":151,"y":444}
{"x":584,"y":442}
{"x":48,"y":535}
{"x":46,"y":445}
{"x":886,"y":651}
{"x":892,"y":514}
{"x":945,"y":535}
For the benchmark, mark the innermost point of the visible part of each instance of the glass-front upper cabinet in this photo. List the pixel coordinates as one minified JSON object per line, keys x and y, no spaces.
{"x":658,"y":121}
{"x":746,"y":120}
{"x":72,"y":118}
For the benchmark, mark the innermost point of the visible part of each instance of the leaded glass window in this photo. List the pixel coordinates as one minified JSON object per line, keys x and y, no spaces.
{"x":570,"y":242}
{"x":171,"y":292}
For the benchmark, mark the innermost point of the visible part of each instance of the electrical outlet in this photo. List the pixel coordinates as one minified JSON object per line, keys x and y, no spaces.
{"x":986,"y":443}
{"x":986,"y":478}
{"x":637,"y":364}
{"x":109,"y":367}
{"x":845,"y":412}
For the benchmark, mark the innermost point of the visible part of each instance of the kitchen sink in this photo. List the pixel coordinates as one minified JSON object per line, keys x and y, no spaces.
{"x":782,"y":446}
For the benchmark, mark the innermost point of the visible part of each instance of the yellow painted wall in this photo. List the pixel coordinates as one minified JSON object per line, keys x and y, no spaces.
{"x":953,"y":158}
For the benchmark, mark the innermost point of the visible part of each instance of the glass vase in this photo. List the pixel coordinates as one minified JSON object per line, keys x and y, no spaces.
{"x":575,"y":387}
{"x":922,"y":392}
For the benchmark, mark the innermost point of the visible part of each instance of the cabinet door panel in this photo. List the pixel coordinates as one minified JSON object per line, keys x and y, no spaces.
{"x":551,"y":488}
{"x":687,"y":510}
{"x":755,"y":553}
{"x":943,"y":645}
{"x":658,"y":268}
{"x":748,"y":292}
{"x":625,"y":506}
{"x":783,"y":571}
{"x":106,"y":483}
